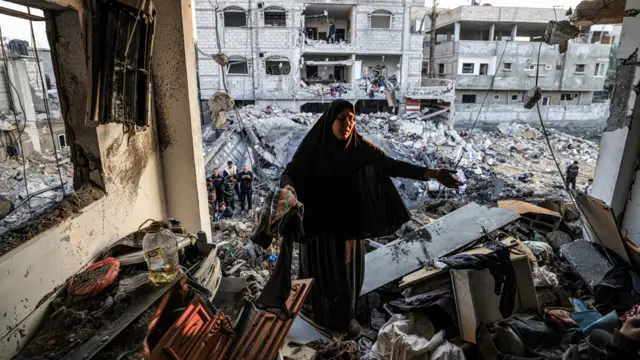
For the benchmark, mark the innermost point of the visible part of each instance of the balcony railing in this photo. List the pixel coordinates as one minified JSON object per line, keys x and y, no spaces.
{"x":433,"y":89}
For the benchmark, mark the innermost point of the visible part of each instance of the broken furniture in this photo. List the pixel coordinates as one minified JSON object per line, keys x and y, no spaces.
{"x":197,"y":334}
{"x":533,"y":218}
{"x":476,"y":301}
{"x":263,"y":333}
{"x":451,"y":233}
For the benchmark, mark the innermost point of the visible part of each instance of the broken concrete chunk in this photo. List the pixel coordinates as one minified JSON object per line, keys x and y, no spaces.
{"x":558,"y":238}
{"x":6,"y":206}
{"x":432,"y":241}
{"x":586,"y":261}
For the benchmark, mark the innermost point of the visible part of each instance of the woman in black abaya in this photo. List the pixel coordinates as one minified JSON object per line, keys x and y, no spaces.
{"x":344,"y":183}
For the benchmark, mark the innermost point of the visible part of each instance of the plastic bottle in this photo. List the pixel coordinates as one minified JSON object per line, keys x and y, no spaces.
{"x":161,"y":254}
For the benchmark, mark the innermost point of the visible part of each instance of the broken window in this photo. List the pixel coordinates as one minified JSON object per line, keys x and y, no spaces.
{"x":529,"y":67}
{"x":238,"y":65}
{"x":514,"y":97}
{"x":234,"y":17}
{"x":312,"y":71}
{"x":468,"y":99}
{"x":122,"y":66}
{"x":506,"y":66}
{"x":467,"y":68}
{"x":496,"y":97}
{"x":62,"y":140}
{"x":580,"y":68}
{"x":275,"y":16}
{"x":568,"y":97}
{"x":380,"y":19}
{"x":277,"y":65}
{"x":600,"y":69}
{"x":441,"y":69}
{"x":484,"y":69}
{"x":546,"y":100}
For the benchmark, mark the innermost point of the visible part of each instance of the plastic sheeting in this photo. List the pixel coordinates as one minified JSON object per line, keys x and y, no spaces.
{"x":412,"y":337}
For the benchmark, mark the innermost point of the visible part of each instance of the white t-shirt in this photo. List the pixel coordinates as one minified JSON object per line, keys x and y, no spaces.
{"x":231,"y":171}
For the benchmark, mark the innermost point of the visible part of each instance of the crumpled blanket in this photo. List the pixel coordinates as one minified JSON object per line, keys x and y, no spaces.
{"x":282,"y":215}
{"x":413,"y":337}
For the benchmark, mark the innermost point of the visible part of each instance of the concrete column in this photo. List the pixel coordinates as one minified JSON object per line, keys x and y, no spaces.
{"x":619,"y":147}
{"x":514,"y":32}
{"x":23,"y":101}
{"x":178,"y":115}
{"x":492,"y":32}
{"x":456,"y":31}
{"x":406,"y":44}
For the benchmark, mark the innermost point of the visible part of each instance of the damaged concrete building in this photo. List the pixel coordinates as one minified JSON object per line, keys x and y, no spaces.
{"x":496,"y":49}
{"x":26,"y":101}
{"x":287,"y":54}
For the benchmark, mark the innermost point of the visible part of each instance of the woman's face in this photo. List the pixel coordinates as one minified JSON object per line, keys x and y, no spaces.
{"x":343,"y":124}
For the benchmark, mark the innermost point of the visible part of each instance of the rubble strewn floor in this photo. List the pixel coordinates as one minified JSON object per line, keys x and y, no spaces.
{"x":58,"y":212}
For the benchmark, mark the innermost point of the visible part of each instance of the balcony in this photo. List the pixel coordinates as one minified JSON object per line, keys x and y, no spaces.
{"x":324,"y":91}
{"x":322,"y":46}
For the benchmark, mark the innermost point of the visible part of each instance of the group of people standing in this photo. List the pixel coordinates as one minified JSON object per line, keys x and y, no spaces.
{"x":223,"y":189}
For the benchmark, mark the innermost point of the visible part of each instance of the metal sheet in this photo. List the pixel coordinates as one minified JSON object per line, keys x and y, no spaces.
{"x":444,"y":236}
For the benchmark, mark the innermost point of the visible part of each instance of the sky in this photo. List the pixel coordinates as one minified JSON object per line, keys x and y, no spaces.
{"x":14,"y":28}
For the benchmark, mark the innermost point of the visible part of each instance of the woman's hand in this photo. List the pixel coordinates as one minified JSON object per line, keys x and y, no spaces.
{"x":448,"y":178}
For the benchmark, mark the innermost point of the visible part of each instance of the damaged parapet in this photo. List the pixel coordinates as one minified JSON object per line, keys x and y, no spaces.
{"x":434,"y":89}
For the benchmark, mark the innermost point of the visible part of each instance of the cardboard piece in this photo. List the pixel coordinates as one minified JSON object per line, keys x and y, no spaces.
{"x":601,"y":225}
{"x":476,"y":302}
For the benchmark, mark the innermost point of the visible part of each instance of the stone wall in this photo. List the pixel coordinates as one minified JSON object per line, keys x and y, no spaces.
{"x":592,"y":116}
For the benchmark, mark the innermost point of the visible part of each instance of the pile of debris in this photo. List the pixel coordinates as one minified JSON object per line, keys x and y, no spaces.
{"x":511,"y":162}
{"x":43,"y":190}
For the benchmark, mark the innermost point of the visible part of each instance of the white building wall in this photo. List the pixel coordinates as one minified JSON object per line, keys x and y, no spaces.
{"x":477,"y":61}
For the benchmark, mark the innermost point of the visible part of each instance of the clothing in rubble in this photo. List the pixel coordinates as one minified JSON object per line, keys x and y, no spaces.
{"x":282,"y":215}
{"x":348,"y":196}
{"x":619,"y":290}
{"x":246,"y":189}
{"x":501,"y":268}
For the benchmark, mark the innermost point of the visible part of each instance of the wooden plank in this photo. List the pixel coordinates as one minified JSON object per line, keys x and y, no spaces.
{"x":445,"y":236}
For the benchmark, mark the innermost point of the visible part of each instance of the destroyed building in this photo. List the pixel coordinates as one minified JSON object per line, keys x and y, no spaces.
{"x":283,"y":54}
{"x":459,"y":280}
{"x":496,"y":50}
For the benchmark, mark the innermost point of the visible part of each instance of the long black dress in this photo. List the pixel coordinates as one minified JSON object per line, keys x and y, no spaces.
{"x":347,"y":196}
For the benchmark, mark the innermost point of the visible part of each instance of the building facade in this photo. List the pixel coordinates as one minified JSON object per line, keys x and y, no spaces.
{"x":287,"y":53}
{"x":472,"y":40}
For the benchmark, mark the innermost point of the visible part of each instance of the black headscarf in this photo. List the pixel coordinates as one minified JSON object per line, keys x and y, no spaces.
{"x":343,"y":184}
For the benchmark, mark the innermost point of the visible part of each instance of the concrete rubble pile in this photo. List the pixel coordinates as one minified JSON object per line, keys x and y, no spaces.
{"x":41,"y":174}
{"x":515,"y":155}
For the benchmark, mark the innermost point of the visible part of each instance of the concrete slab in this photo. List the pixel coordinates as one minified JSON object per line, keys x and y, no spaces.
{"x":437,"y":239}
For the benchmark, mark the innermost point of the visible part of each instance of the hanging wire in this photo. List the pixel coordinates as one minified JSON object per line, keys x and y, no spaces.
{"x":46,"y":103}
{"x":15,"y":117}
{"x":557,"y":164}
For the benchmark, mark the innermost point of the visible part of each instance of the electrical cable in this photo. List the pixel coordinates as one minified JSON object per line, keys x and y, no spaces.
{"x":46,"y":104}
{"x":15,"y":117}
{"x":555,"y":160}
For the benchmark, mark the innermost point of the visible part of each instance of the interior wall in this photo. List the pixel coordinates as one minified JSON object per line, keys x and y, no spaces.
{"x":132,"y":169}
